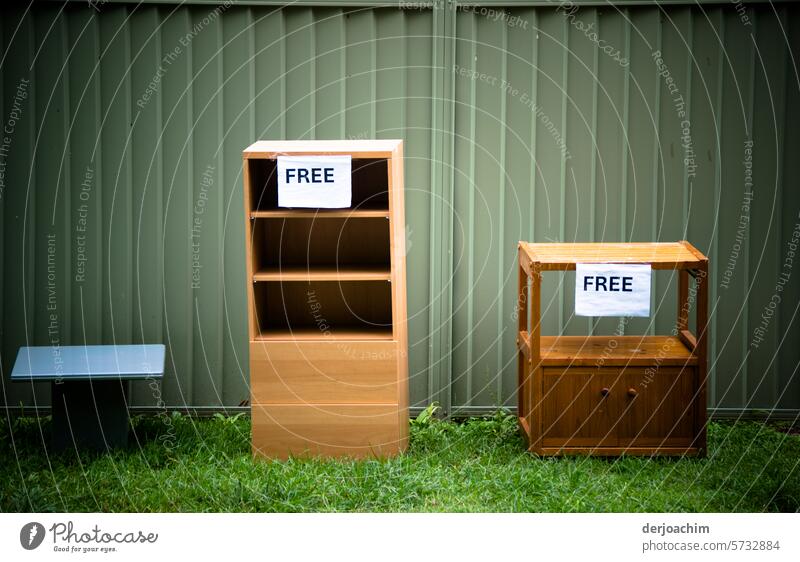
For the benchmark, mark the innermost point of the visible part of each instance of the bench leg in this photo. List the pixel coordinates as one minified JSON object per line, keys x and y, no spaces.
{"x":89,"y":415}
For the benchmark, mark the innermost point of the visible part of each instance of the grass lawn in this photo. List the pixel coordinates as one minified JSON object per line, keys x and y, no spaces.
{"x":477,"y":465}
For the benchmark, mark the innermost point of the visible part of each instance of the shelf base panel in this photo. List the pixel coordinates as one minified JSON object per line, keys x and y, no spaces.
{"x":610,"y":351}
{"x":336,"y":334}
{"x":282,"y":431}
{"x":620,"y":451}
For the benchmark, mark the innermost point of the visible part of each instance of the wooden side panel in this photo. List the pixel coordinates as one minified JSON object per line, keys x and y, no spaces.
{"x":248,"y":245}
{"x":657,"y":408}
{"x":535,"y":421}
{"x":326,"y":372}
{"x":359,"y":431}
{"x":579,"y":407}
{"x":524,"y":396}
{"x":683,"y":300}
{"x":398,"y":251}
{"x":702,"y":357}
{"x":522,"y":326}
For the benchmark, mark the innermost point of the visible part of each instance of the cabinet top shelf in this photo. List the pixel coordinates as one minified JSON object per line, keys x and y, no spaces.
{"x":377,"y":148}
{"x":662,"y":255}
{"x":607,"y":351}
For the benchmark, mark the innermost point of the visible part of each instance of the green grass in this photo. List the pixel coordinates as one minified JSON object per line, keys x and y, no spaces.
{"x":190,"y":464}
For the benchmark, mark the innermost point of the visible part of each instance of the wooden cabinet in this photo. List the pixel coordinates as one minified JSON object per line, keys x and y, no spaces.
{"x":609,"y":395}
{"x":327,"y":307}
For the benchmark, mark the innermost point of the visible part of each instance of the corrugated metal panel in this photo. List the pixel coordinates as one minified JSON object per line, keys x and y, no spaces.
{"x":140,"y":114}
{"x":623,"y":177}
{"x":133,"y":119}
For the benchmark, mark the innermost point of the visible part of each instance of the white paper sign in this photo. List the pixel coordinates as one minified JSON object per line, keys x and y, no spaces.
{"x":612,"y":289}
{"x":322,"y":182}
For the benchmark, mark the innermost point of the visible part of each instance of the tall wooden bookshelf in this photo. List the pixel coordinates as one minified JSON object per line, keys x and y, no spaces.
{"x":327,"y":308}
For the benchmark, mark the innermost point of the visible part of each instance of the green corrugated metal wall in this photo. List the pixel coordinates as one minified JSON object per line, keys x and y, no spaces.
{"x":128,"y":121}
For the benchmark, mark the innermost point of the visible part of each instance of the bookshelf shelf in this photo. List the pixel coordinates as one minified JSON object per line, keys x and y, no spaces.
{"x":331,"y":273}
{"x":320,"y":214}
{"x":343,"y":333}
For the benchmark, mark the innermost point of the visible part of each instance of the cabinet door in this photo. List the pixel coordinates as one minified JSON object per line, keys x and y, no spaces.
{"x":579,"y":407}
{"x":657,"y":407}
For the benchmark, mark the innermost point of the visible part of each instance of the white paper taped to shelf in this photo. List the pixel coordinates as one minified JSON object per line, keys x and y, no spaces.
{"x":612,"y":289}
{"x":322,"y":182}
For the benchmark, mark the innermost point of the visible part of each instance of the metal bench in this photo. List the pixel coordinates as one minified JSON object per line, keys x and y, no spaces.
{"x":89,"y":383}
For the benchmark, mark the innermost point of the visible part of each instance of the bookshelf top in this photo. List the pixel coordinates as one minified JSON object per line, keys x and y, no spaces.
{"x":373,"y":148}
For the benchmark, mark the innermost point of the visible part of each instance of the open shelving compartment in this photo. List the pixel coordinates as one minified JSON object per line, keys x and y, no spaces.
{"x":370,"y":188}
{"x":326,"y":305}
{"x":612,"y":395}
{"x":326,"y":248}
{"x":326,"y":309}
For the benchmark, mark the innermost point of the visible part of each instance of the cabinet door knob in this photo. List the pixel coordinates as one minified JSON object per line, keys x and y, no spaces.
{"x":632,"y":392}
{"x":605,"y":392}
